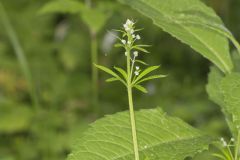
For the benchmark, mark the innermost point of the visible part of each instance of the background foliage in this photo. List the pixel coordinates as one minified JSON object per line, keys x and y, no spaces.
{"x":57,"y":48}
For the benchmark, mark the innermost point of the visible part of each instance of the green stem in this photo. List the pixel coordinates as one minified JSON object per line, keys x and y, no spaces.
{"x":94,"y":59}
{"x":20,"y":55}
{"x":131,"y":109}
{"x":230,"y":153}
{"x":237,"y":146}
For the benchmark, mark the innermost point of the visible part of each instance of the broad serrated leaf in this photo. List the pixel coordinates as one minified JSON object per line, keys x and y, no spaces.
{"x":141,"y":88}
{"x":62,"y":6}
{"x":192,"y":22}
{"x":215,"y":93}
{"x":214,"y":86}
{"x":160,"y":137}
{"x":150,"y":78}
{"x":230,"y":87}
{"x":145,"y":72}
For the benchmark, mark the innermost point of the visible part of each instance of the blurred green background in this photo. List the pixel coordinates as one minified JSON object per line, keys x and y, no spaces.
{"x":58,"y":52}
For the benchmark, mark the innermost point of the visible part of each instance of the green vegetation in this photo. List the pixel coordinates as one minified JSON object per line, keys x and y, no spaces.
{"x":54,"y":104}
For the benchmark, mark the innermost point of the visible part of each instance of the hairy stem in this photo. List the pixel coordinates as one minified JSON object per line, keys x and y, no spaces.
{"x":131,"y":109}
{"x":94,"y":59}
{"x":19,"y":54}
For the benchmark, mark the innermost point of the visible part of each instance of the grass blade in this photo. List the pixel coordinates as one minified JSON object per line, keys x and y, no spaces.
{"x":19,"y":54}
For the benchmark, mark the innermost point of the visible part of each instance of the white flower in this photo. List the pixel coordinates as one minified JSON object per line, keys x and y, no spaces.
{"x":128,"y":26}
{"x":135,"y":53}
{"x":132,"y":31}
{"x":123,"y":41}
{"x":129,"y":42}
{"x":127,"y":29}
{"x":126,"y":53}
{"x":232,"y":139}
{"x":138,"y":37}
{"x":136,"y":73}
{"x":137,"y":67}
{"x":133,"y":36}
{"x":129,"y":22}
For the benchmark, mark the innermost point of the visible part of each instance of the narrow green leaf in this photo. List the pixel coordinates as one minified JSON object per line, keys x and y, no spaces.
{"x":150,"y":78}
{"x":143,"y":45}
{"x":219,"y":156}
{"x":141,"y":88}
{"x":118,"y":45}
{"x":140,"y":49}
{"x":122,"y":72}
{"x":145,"y":72}
{"x":141,"y":62}
{"x":20,"y":54}
{"x":193,"y":23}
{"x":140,"y":29}
{"x":111,"y":79}
{"x":160,"y":137}
{"x":109,"y":71}
{"x":119,"y":30}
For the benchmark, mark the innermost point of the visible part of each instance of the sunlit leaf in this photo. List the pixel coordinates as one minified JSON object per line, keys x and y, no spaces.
{"x":141,"y":62}
{"x":122,"y":72}
{"x":109,"y":71}
{"x":111,"y":79}
{"x":150,"y":78}
{"x":118,"y":45}
{"x":225,"y":91}
{"x":145,"y":72}
{"x":160,"y":137}
{"x":141,"y":88}
{"x":193,"y":23}
{"x":140,"y":49}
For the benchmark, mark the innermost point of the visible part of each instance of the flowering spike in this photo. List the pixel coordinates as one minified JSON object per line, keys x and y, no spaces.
{"x":133,"y":76}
